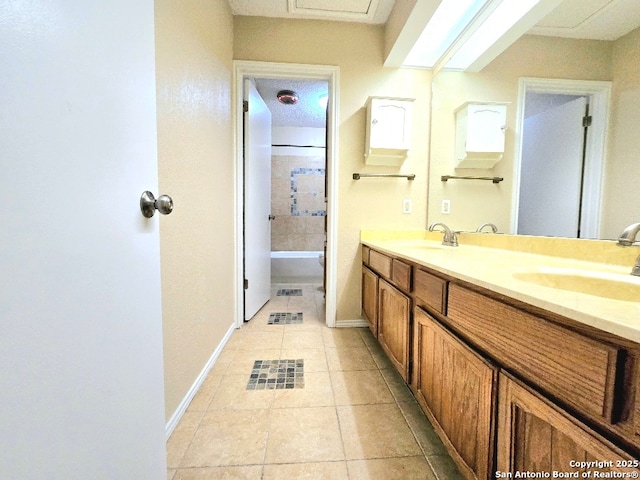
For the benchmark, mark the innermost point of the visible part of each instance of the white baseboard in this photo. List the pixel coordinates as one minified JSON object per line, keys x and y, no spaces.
{"x":177,"y":415}
{"x":351,"y":323}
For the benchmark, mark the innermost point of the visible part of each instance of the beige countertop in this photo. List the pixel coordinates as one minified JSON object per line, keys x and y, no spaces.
{"x":498,"y":269}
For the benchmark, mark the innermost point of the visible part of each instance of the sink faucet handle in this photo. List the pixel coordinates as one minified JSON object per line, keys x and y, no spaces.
{"x":494,"y":229}
{"x":636,"y":268}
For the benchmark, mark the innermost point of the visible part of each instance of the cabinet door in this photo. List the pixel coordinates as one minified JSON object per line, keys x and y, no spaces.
{"x":394,"y":310}
{"x":637,"y":414}
{"x":534,"y":435}
{"x":370,"y":299}
{"x":456,"y":388}
{"x":390,"y":124}
{"x":485,"y":131}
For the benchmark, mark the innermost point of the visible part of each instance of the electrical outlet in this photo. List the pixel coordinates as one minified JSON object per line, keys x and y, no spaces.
{"x":446,"y":207}
{"x":406,"y":205}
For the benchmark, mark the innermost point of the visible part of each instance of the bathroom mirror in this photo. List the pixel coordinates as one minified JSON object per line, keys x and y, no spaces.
{"x":473,"y":202}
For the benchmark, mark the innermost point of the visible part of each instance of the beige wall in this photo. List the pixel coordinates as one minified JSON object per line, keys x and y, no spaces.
{"x":475,"y":202}
{"x":396,"y":22}
{"x":358,"y":50}
{"x":194,"y":64}
{"x":622,"y":197}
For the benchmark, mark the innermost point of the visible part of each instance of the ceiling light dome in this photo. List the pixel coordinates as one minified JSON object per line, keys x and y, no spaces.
{"x":287,"y":97}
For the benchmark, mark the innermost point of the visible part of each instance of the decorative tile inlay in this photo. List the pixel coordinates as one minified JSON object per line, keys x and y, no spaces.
{"x":311,"y":195}
{"x":276,"y":374}
{"x":284,"y":318}
{"x":290,"y":292}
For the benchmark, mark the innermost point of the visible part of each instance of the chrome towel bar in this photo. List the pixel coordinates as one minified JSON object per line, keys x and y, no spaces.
{"x":358,"y":176}
{"x":444,"y":178}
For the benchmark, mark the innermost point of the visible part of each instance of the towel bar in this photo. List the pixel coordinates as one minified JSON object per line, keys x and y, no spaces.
{"x":358,"y":176}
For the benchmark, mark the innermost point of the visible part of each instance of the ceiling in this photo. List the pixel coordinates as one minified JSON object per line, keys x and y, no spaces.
{"x":591,"y":19}
{"x":594,"y":19}
{"x":366,"y":11}
{"x":306,"y":113}
{"x":588,"y":19}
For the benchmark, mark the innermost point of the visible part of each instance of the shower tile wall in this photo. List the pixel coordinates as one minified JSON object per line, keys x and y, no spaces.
{"x":297,"y":201}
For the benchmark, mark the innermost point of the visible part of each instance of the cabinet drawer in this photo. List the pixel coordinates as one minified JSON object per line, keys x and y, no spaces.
{"x":575,"y":369}
{"x":365,"y":254}
{"x":380,"y":263}
{"x":401,"y":274}
{"x":430,"y":291}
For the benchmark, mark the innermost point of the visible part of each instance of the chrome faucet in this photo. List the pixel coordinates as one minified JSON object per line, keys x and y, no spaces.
{"x":494,"y":229}
{"x":449,"y":237}
{"x":628,"y":238}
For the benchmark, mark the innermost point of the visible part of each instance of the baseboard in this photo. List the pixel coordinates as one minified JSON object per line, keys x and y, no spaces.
{"x":177,"y":415}
{"x":351,"y":323}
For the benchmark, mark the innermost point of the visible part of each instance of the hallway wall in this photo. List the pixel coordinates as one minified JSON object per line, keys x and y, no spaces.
{"x":195,"y":165}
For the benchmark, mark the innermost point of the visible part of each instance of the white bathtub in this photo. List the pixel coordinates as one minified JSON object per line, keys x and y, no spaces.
{"x":301,"y":267}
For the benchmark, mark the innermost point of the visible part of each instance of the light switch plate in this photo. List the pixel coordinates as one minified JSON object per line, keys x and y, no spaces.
{"x":406,"y":205}
{"x":446,"y":207}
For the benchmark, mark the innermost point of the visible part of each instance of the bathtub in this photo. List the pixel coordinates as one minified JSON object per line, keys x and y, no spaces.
{"x":301,"y":267}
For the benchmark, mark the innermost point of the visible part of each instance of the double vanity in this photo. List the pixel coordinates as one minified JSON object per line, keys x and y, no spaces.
{"x":524,"y":352}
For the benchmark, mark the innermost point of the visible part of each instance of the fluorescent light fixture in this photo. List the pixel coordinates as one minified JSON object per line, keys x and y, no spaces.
{"x":323,"y":100}
{"x":445,"y":26}
{"x":503,"y":18}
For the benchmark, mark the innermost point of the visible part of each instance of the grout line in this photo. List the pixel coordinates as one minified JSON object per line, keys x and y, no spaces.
{"x":309,"y":309}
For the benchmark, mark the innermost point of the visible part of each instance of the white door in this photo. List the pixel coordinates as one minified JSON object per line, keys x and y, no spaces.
{"x":257,"y":204}
{"x":81,"y":387}
{"x":551,"y":171}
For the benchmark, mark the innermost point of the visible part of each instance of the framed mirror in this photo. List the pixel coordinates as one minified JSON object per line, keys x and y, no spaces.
{"x":606,"y":73}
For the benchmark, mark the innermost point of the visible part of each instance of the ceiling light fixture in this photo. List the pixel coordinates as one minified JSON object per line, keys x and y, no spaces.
{"x":502,"y":19}
{"x":468,"y":34}
{"x":445,"y":26}
{"x":287,"y":97}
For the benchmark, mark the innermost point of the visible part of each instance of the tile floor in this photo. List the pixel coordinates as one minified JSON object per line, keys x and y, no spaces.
{"x":341,"y":412}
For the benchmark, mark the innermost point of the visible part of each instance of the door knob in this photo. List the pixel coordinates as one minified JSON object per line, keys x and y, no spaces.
{"x":149,"y":204}
{"x":272,"y":217}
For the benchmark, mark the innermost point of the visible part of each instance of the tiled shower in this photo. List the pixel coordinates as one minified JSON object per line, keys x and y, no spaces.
{"x":298,"y":204}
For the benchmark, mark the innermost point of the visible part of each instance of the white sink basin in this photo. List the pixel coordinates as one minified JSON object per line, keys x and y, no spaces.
{"x":601,"y":284}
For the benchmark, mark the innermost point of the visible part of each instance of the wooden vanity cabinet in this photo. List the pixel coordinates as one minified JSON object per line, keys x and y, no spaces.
{"x":534,"y":435}
{"x":456,"y":388}
{"x":394,"y":322}
{"x":566,"y":391}
{"x":386,"y":283}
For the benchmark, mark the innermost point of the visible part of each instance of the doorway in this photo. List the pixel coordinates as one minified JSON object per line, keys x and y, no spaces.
{"x":298,"y":177}
{"x":541,"y":188}
{"x":263,"y":72}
